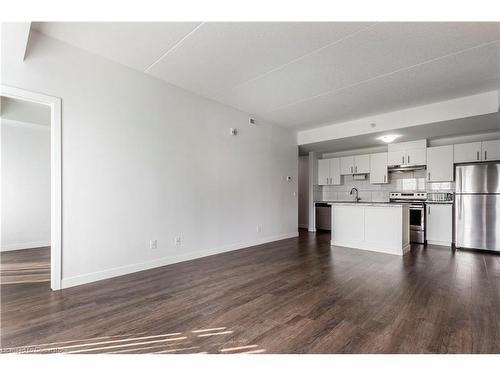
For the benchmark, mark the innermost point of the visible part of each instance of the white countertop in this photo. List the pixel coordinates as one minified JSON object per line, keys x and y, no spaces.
{"x":373,"y":204}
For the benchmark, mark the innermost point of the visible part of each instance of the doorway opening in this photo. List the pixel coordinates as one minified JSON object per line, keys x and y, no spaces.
{"x":31,"y":187}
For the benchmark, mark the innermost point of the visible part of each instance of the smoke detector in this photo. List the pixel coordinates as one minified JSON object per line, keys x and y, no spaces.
{"x":251,"y":120}
{"x":233,"y":131}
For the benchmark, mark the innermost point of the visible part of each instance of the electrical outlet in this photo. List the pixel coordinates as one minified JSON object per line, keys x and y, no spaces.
{"x":153,"y":244}
{"x":177,"y":240}
{"x":259,"y":228}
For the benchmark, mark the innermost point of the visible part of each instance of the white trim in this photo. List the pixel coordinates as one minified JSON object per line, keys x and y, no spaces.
{"x":467,"y":106}
{"x":373,"y":247}
{"x":439,"y":243}
{"x":55,"y":175}
{"x":24,"y":124}
{"x":119,"y":271}
{"x":25,"y":245}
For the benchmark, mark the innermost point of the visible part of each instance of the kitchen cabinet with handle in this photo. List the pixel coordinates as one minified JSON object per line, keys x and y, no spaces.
{"x":439,"y":224}
{"x":347,"y":165}
{"x":355,"y":164}
{"x":362,"y":163}
{"x":490,"y":150}
{"x":378,"y":168}
{"x":417,"y":156}
{"x":407,"y":153}
{"x":440,"y":164}
{"x":329,"y":171}
{"x":467,"y":152}
{"x":476,"y":151}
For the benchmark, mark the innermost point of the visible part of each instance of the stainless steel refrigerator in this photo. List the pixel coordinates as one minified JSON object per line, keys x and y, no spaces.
{"x":477,"y":206}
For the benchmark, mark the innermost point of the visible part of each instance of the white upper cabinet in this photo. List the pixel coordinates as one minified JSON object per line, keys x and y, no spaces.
{"x":467,"y":152}
{"x":491,"y":150}
{"x":417,"y":156}
{"x":329,"y":171}
{"x":477,"y":151}
{"x":362,"y":164}
{"x":355,"y":164}
{"x":440,"y":164}
{"x":407,"y":153}
{"x":335,"y":171}
{"x":323,"y":172}
{"x":396,"y":157}
{"x":347,"y":165}
{"x":378,"y":168}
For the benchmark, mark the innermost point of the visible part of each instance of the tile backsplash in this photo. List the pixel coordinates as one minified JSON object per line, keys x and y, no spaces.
{"x":401,"y":182}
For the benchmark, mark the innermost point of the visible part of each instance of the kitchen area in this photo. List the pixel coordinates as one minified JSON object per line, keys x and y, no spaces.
{"x":416,"y":192}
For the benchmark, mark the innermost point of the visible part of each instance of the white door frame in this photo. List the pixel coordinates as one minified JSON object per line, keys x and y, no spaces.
{"x":55,"y":175}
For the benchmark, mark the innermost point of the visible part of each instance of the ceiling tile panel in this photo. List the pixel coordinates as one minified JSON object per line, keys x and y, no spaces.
{"x":377,"y":51}
{"x":220,"y":56}
{"x":465,"y":74}
{"x":135,"y":44}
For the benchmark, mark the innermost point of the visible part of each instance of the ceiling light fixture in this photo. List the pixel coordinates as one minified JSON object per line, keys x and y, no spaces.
{"x":388,"y":138}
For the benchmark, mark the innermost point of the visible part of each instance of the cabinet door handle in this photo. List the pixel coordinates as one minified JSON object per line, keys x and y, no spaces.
{"x":485,"y":158}
{"x":408,"y":159}
{"x":351,"y":169}
{"x":429,"y":210}
{"x":384,"y":177}
{"x":356,"y":168}
{"x":477,"y":155}
{"x":429,"y":175}
{"x":403,"y":159}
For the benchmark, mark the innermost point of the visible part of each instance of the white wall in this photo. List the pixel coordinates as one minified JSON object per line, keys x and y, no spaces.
{"x":146,"y":160}
{"x":303,"y":191}
{"x":25,"y":185}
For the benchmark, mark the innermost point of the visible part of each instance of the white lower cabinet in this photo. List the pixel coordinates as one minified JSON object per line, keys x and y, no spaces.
{"x":439,"y":224}
{"x":382,"y":228}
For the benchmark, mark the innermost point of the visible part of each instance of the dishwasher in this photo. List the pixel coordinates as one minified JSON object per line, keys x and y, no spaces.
{"x":323,"y":216}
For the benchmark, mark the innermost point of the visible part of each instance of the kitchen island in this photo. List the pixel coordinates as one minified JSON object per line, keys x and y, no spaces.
{"x":381,"y":227}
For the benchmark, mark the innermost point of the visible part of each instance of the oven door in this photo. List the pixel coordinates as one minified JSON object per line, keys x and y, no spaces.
{"x":417,"y":217}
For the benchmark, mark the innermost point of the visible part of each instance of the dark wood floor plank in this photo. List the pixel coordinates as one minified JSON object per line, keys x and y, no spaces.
{"x":292,"y":296}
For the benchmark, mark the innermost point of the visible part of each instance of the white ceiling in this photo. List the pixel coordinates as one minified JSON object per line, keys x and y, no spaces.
{"x":433,"y":132}
{"x":302,"y":75}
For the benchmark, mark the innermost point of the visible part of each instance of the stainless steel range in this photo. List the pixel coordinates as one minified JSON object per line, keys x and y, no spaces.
{"x":417,"y":213}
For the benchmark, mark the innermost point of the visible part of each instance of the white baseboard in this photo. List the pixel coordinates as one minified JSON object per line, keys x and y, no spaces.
{"x":25,"y":245}
{"x":120,"y":271}
{"x":361,"y":245}
{"x":439,"y":243}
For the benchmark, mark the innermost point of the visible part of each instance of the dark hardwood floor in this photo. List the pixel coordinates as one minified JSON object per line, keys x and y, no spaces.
{"x":25,"y":266}
{"x":291,"y":296}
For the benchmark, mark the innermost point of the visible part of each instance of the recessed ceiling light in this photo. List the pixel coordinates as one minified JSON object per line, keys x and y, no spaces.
{"x":388,"y":138}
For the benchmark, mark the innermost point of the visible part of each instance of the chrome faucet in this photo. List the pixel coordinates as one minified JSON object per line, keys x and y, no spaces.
{"x":356,"y":198}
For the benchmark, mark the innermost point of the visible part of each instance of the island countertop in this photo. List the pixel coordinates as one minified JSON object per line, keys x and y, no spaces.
{"x":365,"y":203}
